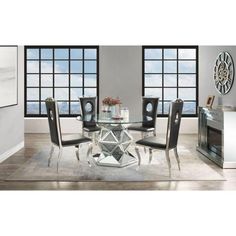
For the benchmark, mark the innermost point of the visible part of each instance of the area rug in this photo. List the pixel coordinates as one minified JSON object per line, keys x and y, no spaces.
{"x":70,"y":169}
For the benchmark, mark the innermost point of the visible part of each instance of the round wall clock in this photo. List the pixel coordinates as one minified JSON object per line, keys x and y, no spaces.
{"x":224,"y":73}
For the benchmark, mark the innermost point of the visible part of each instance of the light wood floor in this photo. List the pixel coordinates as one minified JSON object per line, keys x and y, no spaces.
{"x":36,"y":142}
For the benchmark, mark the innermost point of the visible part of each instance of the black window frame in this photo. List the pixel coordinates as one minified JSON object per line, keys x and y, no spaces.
{"x":53,"y":73}
{"x":177,"y":73}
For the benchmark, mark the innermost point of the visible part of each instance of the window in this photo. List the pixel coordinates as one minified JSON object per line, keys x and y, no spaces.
{"x":171,"y":72}
{"x":62,"y":72}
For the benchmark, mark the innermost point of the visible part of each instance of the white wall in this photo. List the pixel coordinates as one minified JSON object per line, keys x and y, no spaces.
{"x":120,"y":74}
{"x":207,"y":57}
{"x":12,"y":118}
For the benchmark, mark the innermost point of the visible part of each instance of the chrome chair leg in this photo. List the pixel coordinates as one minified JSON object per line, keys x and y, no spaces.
{"x":138,"y":155}
{"x":50,"y":156}
{"x":59,"y":158}
{"x":150,"y":155}
{"x":168,"y":161}
{"x":143,"y":136}
{"x":177,"y":157}
{"x":77,"y":152}
{"x":89,"y":152}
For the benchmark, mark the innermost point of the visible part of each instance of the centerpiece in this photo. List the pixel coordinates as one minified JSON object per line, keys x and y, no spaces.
{"x":112,"y":105}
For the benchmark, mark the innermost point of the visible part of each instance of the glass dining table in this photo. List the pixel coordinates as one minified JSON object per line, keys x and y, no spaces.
{"x":114,"y":139}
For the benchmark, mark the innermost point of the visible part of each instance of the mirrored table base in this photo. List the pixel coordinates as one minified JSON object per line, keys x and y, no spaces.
{"x":114,"y":141}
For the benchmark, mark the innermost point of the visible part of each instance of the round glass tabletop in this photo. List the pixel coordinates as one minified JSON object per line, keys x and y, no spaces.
{"x":106,"y":118}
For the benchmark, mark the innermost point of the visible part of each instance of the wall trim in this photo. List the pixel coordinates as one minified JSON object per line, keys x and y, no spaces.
{"x":11,"y":151}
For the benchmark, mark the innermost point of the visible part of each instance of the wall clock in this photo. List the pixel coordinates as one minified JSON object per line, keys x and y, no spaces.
{"x":224,"y":73}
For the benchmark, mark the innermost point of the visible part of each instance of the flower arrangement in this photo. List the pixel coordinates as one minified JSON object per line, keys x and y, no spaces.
{"x":109,"y":101}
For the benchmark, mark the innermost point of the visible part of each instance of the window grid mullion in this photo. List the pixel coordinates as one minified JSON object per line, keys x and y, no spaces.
{"x":69,"y":83}
{"x":162,"y":81}
{"x":83,"y":72}
{"x":40,"y":103}
{"x":177,"y":77}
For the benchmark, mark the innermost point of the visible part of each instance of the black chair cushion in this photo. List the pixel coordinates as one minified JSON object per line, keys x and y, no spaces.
{"x":72,"y":140}
{"x":92,"y":129}
{"x":153,"y":142}
{"x":140,"y":128}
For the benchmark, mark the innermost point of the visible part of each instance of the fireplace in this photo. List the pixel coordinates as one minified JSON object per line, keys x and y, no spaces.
{"x":214,"y":140}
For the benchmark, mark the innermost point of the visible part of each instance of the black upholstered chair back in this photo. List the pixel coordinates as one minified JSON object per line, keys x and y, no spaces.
{"x":53,"y":121}
{"x":88,"y":110}
{"x":175,"y":113}
{"x":150,"y":105}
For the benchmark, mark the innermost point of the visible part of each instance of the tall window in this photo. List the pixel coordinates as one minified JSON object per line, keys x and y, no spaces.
{"x":171,"y":72}
{"x":62,"y":72}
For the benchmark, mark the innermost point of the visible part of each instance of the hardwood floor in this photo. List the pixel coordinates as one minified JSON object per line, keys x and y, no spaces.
{"x":36,"y":142}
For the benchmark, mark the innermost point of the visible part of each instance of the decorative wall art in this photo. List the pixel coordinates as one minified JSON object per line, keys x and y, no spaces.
{"x":8,"y":76}
{"x":224,"y":73}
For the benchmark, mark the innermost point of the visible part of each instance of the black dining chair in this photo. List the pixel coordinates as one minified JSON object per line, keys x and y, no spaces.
{"x":172,"y":134}
{"x":149,"y":113}
{"x":59,"y":140}
{"x":88,"y":112}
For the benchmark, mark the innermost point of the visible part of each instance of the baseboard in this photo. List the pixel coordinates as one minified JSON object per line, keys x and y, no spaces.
{"x":11,"y":151}
{"x":229,"y":165}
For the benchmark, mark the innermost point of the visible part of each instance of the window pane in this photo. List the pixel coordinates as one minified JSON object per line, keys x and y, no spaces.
{"x":153,"y":80}
{"x":32,"y":108}
{"x":153,"y":67}
{"x":32,"y":80}
{"x":187,"y":80}
{"x":75,"y":93}
{"x":43,"y":108}
{"x":46,"y":80}
{"x":61,"y":93}
{"x":76,"y":53}
{"x":46,"y":93}
{"x":155,"y":92}
{"x":32,"y":94}
{"x":170,"y":66}
{"x":90,"y":66}
{"x":170,"y":53}
{"x":32,"y":53}
{"x":63,"y":108}
{"x":187,"y":93}
{"x":46,"y":67}
{"x":189,"y":108}
{"x":159,"y":110}
{"x":61,"y":67}
{"x":46,"y":53}
{"x":166,"y":107}
{"x":187,"y":53}
{"x":90,"y":53}
{"x":153,"y":53}
{"x":170,"y":80}
{"x":61,"y":80}
{"x":62,"y":53}
{"x":76,"y":80}
{"x":187,"y":66}
{"x":32,"y":67}
{"x":76,"y":66}
{"x":74,"y":108}
{"x":90,"y":80}
{"x":90,"y":92}
{"x":170,"y":93}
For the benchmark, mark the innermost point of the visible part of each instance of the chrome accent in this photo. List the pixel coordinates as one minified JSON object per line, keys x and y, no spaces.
{"x":50,"y":156}
{"x":177,"y":157}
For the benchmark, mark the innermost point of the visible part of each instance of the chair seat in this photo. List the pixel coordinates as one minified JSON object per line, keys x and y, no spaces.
{"x":140,"y":128}
{"x":72,"y":140}
{"x":153,"y":142}
{"x":92,"y":129}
